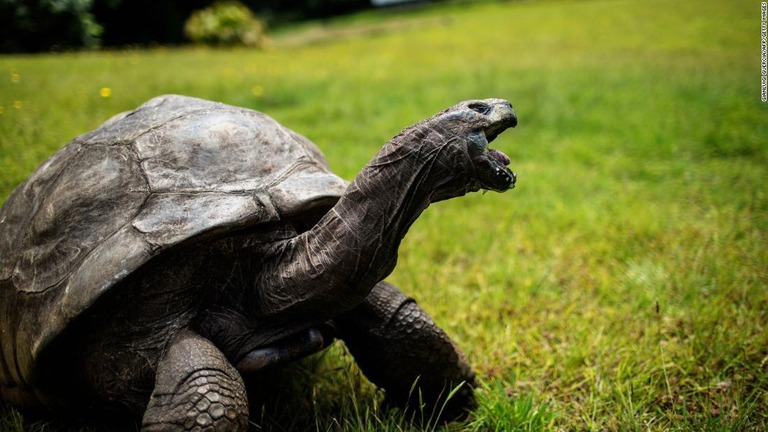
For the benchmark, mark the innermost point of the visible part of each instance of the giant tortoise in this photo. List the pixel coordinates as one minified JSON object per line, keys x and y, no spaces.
{"x":151,"y":264}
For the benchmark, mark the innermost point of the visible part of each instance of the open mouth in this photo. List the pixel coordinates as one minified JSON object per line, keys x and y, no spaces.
{"x":499,"y":177}
{"x":491,"y":165}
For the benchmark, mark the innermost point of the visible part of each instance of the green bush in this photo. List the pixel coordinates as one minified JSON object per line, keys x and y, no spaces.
{"x":43,"y":25}
{"x":226,"y":23}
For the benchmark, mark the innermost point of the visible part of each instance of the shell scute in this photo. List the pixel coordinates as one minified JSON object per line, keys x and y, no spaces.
{"x":101,"y":190}
{"x":169,"y":219}
{"x":218,"y":151}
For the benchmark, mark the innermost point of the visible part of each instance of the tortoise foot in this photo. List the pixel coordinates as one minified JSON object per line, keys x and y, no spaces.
{"x":400,"y":349}
{"x":196,"y":389}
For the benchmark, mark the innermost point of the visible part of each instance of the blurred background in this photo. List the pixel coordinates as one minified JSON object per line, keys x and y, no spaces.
{"x":44,"y":25}
{"x":622,"y":285}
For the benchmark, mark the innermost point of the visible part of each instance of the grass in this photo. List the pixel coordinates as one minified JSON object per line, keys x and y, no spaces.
{"x":622,"y":286}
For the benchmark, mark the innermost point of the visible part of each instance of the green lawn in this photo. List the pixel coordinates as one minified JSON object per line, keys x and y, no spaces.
{"x":622,"y":286}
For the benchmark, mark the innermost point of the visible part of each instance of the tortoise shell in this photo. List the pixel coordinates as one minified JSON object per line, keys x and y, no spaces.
{"x":176,"y":169}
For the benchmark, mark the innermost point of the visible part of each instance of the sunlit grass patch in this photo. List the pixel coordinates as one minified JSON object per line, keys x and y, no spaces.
{"x":621,"y":286}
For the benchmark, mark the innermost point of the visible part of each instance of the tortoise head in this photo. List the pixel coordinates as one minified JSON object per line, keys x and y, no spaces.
{"x":477,"y":124}
{"x":461,"y":135}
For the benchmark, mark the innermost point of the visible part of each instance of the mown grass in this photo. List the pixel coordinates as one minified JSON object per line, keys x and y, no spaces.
{"x":621,"y":286}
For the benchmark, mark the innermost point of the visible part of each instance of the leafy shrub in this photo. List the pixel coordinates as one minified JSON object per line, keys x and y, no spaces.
{"x":226,"y":23}
{"x":42,"y":25}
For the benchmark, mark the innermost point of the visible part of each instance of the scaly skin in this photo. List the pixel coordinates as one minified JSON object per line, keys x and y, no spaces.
{"x":400,"y":349}
{"x":196,"y":389}
{"x":330,"y":269}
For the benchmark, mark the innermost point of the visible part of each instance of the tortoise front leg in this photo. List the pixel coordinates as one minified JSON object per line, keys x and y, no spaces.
{"x":196,"y":389}
{"x":400,"y":349}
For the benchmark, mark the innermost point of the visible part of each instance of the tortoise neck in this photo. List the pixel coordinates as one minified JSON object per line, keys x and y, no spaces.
{"x":332,"y":267}
{"x":378,"y":208}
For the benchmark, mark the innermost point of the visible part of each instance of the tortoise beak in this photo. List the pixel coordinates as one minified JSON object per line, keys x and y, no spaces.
{"x":493,"y":172}
{"x":501,"y":117}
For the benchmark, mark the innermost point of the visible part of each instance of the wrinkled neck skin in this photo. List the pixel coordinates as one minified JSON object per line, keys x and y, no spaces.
{"x":332,"y":267}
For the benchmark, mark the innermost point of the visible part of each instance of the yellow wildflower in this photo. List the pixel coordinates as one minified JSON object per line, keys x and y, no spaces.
{"x":17,"y":104}
{"x":105,"y":92}
{"x":257,"y":90}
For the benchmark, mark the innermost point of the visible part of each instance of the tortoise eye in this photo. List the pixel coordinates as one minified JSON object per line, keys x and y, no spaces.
{"x":480,"y":108}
